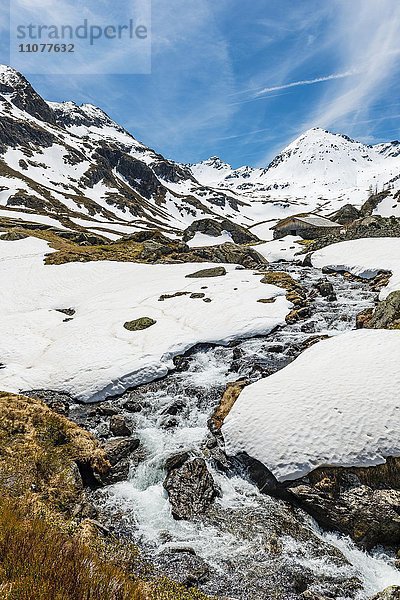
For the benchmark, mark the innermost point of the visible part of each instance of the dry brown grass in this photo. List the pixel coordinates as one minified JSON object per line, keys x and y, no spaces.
{"x":40,"y":562}
{"x":40,"y":452}
{"x":68,"y":251}
{"x":44,"y":555}
{"x":229,"y":397}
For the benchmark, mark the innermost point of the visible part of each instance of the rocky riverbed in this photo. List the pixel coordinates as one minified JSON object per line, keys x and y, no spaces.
{"x":196,"y":515}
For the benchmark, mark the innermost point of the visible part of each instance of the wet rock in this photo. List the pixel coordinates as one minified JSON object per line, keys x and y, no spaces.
{"x":325,"y":288}
{"x":184,"y":566}
{"x":117,"y":473}
{"x":390,"y":593}
{"x":118,"y":426}
{"x":361,"y":502}
{"x":57,"y":401}
{"x":191,"y":489}
{"x":298,"y":314}
{"x":122,"y":454}
{"x":315,"y":339}
{"x":168,"y":422}
{"x":139,"y":324}
{"x":213,"y":272}
{"x":181,"y":363}
{"x":121,"y":448}
{"x":276,"y":348}
{"x":380,"y":281}
{"x":174,"y":408}
{"x":307,"y":262}
{"x":175,"y":461}
{"x":364,"y":317}
{"x":386,"y":314}
{"x":107,"y":409}
{"x":133,"y":406}
{"x":263,"y":478}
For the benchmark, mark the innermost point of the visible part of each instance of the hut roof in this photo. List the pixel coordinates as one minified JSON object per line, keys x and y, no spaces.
{"x":309,"y":219}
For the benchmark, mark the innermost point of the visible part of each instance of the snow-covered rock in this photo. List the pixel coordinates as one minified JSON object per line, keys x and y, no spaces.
{"x":90,"y":354}
{"x":363,"y":258}
{"x":337,"y":404}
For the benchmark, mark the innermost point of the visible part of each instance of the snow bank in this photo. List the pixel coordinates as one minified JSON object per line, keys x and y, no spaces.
{"x":201,"y":239}
{"x":92,"y":355}
{"x":364,"y":258}
{"x":336,"y":404}
{"x":284,"y":249}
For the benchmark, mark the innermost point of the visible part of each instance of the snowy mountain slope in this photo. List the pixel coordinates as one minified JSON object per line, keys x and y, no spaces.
{"x":72,"y":167}
{"x":75,"y":165}
{"x":317,"y":171}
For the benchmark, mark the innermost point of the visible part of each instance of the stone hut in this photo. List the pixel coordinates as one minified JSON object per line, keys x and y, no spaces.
{"x":307,"y":226}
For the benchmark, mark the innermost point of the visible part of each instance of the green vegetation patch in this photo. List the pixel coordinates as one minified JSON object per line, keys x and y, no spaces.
{"x":139,"y":324}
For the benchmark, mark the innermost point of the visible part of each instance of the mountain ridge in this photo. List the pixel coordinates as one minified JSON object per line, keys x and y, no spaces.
{"x":72,"y":167}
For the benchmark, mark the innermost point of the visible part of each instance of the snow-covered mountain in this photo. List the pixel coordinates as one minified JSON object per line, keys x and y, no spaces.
{"x":73,"y":167}
{"x":318,"y":171}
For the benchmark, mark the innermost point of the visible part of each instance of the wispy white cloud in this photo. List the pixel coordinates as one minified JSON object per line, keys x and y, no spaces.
{"x":361,"y":40}
{"x":302,"y":82}
{"x":367,"y":34}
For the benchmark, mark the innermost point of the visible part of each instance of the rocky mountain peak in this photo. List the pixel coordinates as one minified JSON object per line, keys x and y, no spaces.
{"x":15,"y":88}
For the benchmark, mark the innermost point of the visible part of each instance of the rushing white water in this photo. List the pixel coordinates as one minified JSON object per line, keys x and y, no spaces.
{"x":376,"y":570}
{"x":140,"y":505}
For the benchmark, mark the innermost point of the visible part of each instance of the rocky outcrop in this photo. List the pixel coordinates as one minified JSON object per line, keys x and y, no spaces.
{"x":239,"y":234}
{"x":385,"y":316}
{"x":366,"y":227}
{"x":139,"y":324}
{"x":213,"y":272}
{"x":24,"y":97}
{"x":229,"y":253}
{"x":390,"y":593}
{"x":121,"y":453}
{"x":190,"y":486}
{"x":361,"y":502}
{"x":373,"y":201}
{"x":345,"y":215}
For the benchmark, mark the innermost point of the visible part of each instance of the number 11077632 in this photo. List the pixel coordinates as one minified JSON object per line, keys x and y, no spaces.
{"x":36,"y":48}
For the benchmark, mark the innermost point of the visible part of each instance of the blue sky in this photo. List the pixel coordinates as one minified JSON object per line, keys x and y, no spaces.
{"x":241,"y":79}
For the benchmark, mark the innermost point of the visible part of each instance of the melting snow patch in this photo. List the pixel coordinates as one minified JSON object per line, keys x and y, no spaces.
{"x":92,"y":355}
{"x":336,"y":404}
{"x":201,"y":239}
{"x":283,"y":249}
{"x":364,"y":258}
